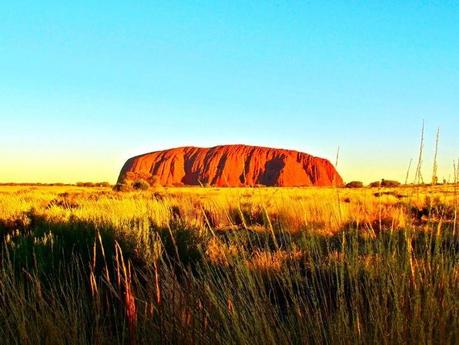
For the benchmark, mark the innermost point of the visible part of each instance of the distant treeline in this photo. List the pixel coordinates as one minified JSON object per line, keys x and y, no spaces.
{"x":388,"y":183}
{"x":93,"y":184}
{"x":58,"y":184}
{"x":143,"y":184}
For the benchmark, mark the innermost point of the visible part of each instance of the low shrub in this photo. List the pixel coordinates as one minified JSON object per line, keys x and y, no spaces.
{"x":389,"y":183}
{"x":141,"y":185}
{"x":354,"y":184}
{"x":154,"y":181}
{"x":122,"y":187}
{"x":384,"y":183}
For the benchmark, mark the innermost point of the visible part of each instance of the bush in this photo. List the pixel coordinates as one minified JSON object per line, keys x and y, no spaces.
{"x":375,"y":184}
{"x":384,"y":183}
{"x":122,"y":187}
{"x":154,"y":181}
{"x":389,"y":183}
{"x":354,"y":184}
{"x":141,"y":185}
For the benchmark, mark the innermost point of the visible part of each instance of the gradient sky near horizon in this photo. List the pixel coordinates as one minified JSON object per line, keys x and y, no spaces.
{"x":86,"y":85}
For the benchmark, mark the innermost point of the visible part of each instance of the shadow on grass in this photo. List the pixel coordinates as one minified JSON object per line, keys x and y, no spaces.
{"x":339,"y":284}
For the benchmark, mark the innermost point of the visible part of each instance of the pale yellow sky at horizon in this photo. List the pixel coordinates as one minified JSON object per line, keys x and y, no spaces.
{"x":66,"y":168}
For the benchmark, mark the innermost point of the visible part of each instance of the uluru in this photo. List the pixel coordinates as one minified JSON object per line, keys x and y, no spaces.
{"x":231,"y":166}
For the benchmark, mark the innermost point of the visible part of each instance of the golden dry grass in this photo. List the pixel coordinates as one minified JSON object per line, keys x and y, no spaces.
{"x":229,"y":265}
{"x":317,"y":211}
{"x":321,"y":210}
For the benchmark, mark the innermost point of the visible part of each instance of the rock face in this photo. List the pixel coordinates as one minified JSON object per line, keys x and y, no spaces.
{"x":232,"y":166}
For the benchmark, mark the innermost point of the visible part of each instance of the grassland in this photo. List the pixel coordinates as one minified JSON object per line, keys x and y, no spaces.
{"x":229,"y":266}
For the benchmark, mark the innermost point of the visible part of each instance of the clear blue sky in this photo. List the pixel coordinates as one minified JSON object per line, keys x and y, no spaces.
{"x":85,"y":85}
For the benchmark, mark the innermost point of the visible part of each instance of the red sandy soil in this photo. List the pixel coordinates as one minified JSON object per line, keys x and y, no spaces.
{"x":232,"y":166}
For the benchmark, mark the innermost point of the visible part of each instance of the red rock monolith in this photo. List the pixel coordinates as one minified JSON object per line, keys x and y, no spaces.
{"x":231,"y":166}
